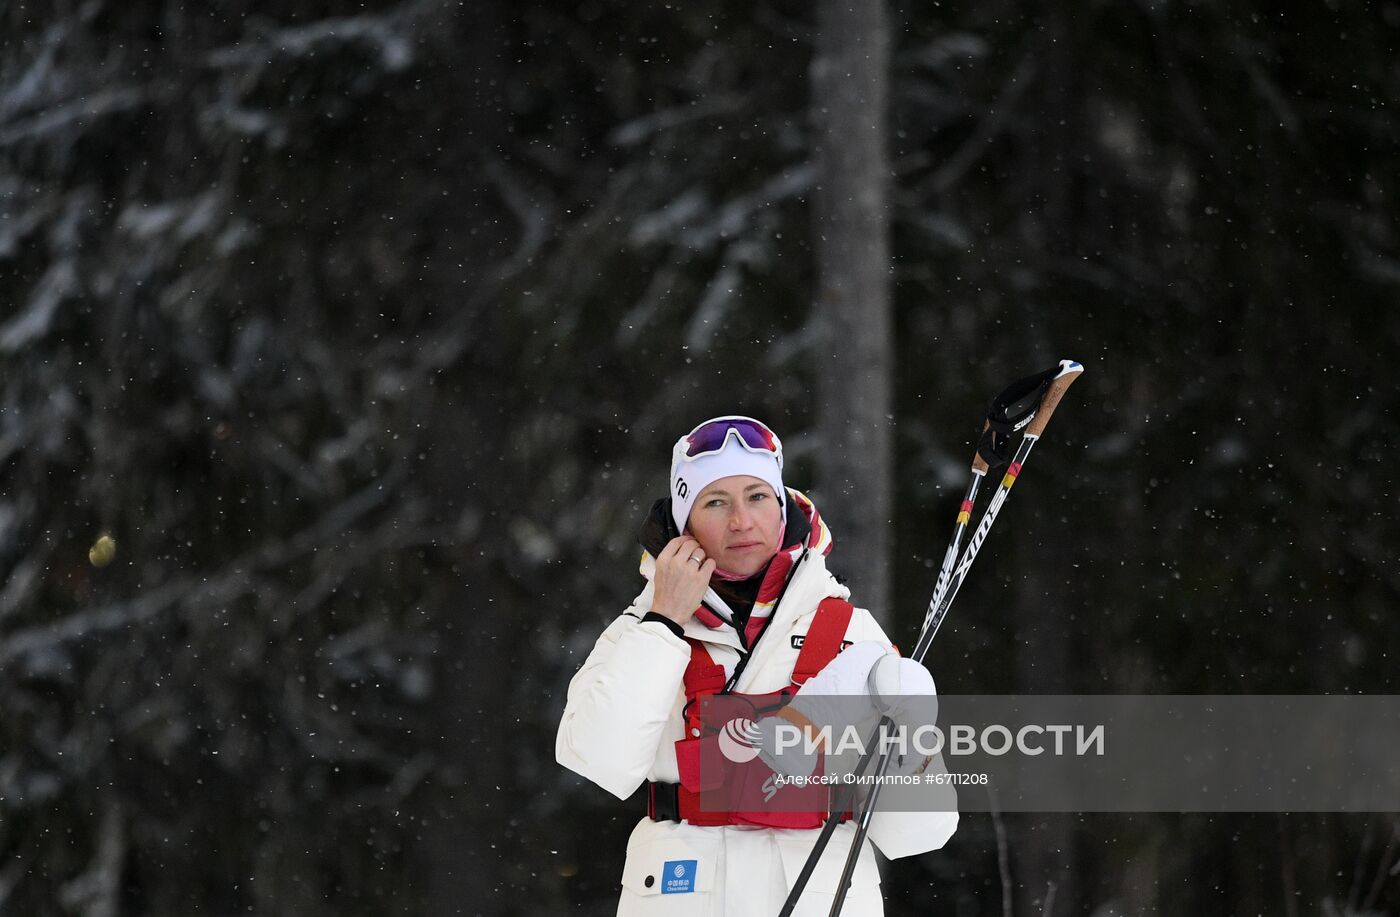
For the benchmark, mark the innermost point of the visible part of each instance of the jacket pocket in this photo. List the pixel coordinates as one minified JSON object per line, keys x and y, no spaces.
{"x":864,"y":898}
{"x":674,"y":876}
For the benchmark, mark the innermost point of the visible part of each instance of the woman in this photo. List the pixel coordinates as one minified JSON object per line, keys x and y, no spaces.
{"x":738,"y":604}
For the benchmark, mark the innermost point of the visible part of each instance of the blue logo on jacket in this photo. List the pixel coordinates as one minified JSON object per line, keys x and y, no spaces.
{"x":678,"y":877}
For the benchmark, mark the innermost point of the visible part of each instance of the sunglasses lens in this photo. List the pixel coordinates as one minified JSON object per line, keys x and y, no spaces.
{"x":710,"y":437}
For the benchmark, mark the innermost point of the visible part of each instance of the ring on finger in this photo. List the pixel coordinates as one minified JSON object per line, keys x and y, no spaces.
{"x":695,"y":558}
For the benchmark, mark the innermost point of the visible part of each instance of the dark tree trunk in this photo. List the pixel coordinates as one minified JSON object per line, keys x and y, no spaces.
{"x":852,"y":311}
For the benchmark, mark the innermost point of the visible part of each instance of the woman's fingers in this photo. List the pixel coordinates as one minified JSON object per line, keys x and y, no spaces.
{"x":682,"y":576}
{"x":683,"y":550}
{"x":675,"y":547}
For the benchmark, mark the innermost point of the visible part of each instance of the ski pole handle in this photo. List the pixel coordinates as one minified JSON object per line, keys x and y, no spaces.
{"x":979,"y":464}
{"x":1068,"y":373}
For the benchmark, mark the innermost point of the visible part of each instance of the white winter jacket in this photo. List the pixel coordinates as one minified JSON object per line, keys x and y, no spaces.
{"x":622,"y":719}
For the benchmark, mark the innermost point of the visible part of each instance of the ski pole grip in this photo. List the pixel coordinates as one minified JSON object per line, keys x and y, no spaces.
{"x":978,"y":465}
{"x":1052,"y":398}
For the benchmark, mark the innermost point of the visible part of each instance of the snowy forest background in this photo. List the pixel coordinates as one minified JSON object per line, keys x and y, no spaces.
{"x":365,"y":331}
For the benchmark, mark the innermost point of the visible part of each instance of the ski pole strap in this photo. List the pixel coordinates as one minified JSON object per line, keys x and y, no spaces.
{"x":1008,"y":415}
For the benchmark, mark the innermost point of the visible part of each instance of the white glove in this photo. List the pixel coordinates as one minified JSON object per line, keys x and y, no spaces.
{"x":894,"y":681}
{"x":819,"y":703}
{"x":823,"y":700}
{"x":895,"y":686}
{"x":868,"y":669}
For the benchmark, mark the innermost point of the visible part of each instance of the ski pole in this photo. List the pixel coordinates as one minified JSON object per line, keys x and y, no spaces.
{"x":1028,"y":404}
{"x":844,"y":797}
{"x":1007,"y":414}
{"x":1050,"y":399}
{"x":950,"y":557}
{"x":938,"y":608}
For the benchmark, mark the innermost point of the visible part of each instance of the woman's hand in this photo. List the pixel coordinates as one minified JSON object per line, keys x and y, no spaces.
{"x":681,"y":578}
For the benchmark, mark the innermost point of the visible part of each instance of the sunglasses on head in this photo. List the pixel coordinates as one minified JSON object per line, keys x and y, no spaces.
{"x":710,"y":437}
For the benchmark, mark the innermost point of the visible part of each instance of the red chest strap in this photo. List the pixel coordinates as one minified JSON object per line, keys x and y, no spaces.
{"x":823,"y":640}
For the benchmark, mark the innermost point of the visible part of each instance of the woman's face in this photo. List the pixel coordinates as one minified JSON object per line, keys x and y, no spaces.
{"x":737,"y":521}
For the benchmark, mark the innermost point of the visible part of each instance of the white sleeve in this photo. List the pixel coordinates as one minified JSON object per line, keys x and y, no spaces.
{"x":902,"y":834}
{"x":619,"y":703}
